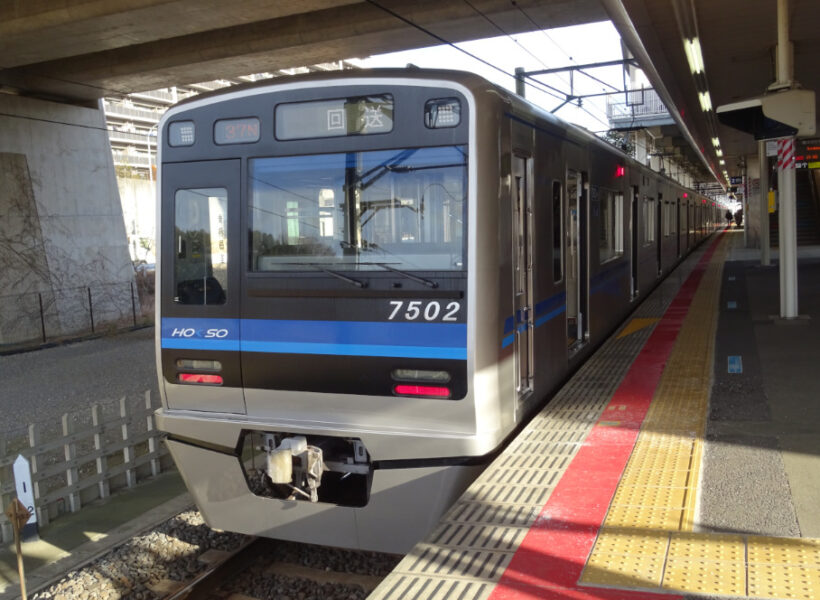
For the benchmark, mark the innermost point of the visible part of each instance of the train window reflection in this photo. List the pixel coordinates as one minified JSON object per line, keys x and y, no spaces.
{"x":610,"y":241}
{"x":201,"y":256}
{"x":359,"y":210}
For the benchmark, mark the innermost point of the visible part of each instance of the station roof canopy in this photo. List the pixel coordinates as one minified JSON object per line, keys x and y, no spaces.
{"x":737,"y":41}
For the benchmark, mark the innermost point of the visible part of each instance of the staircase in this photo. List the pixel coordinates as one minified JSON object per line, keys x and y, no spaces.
{"x":808,"y":220}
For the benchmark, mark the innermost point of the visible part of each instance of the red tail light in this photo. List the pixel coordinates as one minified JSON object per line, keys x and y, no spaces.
{"x":200,"y":378}
{"x":429,"y":391}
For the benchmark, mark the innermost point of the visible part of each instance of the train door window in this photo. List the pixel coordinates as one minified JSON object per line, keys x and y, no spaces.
{"x":634,"y":240}
{"x":648,"y":220}
{"x":611,"y":243}
{"x":557,"y":232}
{"x":659,"y":238}
{"x":677,"y":225}
{"x":523,"y":268}
{"x":576,"y":256}
{"x":201,"y":257}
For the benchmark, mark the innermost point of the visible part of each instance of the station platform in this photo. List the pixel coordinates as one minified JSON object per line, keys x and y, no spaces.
{"x":681,"y":461}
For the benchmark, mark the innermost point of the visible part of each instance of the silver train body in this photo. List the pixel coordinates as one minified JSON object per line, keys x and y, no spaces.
{"x":369,"y":280}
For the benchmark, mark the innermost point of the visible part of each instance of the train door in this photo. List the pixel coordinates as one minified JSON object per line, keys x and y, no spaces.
{"x":522,"y":221}
{"x":688,"y":225}
{"x":659,"y":232}
{"x":677,"y":226}
{"x":576,"y":271}
{"x":199,"y":286}
{"x":633,"y":225}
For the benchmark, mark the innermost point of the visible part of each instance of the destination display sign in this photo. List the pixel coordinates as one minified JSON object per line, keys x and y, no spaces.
{"x":364,"y":115}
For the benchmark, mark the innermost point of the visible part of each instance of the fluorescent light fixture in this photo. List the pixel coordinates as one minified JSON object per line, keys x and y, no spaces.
{"x":716,"y":142}
{"x":705,"y":101}
{"x":719,"y":152}
{"x":693,"y":55}
{"x":722,"y":162}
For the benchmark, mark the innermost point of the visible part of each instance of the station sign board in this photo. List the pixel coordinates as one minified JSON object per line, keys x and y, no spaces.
{"x":807,"y":154}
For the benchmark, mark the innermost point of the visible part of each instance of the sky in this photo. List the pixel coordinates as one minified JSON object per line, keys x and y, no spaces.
{"x":554,"y":48}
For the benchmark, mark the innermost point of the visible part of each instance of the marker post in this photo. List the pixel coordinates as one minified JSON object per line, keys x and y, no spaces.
{"x":19,"y":516}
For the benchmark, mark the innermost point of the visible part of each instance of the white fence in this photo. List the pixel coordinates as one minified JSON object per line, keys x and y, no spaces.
{"x":85,"y":456}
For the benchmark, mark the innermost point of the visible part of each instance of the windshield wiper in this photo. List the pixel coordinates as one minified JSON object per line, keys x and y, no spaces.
{"x":416,"y":278}
{"x":358,"y":283}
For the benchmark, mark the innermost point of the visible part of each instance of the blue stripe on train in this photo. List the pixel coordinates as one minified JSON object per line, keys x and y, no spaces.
{"x":343,"y":338}
{"x":545,"y":311}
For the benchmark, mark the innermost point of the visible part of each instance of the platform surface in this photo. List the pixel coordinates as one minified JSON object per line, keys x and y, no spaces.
{"x":682,"y":460}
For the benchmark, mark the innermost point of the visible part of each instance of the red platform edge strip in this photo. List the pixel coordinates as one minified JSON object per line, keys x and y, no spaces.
{"x":551,"y":557}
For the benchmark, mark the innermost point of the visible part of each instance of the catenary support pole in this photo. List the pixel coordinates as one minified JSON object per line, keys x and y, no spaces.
{"x":787,"y":212}
{"x":787,"y":224}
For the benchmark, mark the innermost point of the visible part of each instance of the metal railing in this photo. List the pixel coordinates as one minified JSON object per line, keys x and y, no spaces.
{"x":638,"y":104}
{"x":35,"y":318}
{"x":113,"y":109}
{"x":82,"y":457}
{"x":156,"y":95}
{"x":127,"y":158}
{"x":137,"y":138}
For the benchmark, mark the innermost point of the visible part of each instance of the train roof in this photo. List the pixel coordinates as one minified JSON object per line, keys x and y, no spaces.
{"x":476,"y":84}
{"x":469,"y":80}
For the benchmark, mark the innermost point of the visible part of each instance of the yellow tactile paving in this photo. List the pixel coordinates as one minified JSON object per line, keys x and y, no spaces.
{"x":787,"y":551}
{"x":627,"y":541}
{"x":707,"y":547}
{"x":639,"y":517}
{"x":646,"y":541}
{"x":705,"y":577}
{"x":658,"y":497}
{"x":783,"y":581}
{"x":618,"y":570}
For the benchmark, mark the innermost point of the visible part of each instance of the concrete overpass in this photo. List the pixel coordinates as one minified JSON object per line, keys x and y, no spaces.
{"x":78,"y":51}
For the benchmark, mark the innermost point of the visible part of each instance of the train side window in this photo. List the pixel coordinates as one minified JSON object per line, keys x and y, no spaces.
{"x":557,"y":232}
{"x":201,"y":257}
{"x":611,"y":241}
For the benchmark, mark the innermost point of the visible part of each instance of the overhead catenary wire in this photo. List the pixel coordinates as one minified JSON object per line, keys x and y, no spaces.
{"x":533,"y":83}
{"x":541,"y":87}
{"x":557,"y":45}
{"x":507,"y":34}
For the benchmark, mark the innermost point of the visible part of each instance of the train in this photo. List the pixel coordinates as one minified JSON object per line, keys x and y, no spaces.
{"x":369,"y":280}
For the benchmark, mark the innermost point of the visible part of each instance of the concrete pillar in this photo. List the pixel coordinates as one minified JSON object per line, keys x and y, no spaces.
{"x":763,"y":204}
{"x":641,"y":146}
{"x":752,"y":222}
{"x":63,"y":233}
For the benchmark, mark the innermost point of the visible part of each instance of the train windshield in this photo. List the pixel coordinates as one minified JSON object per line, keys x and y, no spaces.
{"x":403,"y":208}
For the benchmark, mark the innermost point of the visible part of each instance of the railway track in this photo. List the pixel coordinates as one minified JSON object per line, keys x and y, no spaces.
{"x":254,"y":571}
{"x":183,"y":558}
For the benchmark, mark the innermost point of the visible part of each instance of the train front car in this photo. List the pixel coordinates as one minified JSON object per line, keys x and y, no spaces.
{"x":318,"y":302}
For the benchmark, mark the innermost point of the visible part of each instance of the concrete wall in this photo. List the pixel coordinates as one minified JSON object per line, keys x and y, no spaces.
{"x":63,"y":233}
{"x":139,"y":212}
